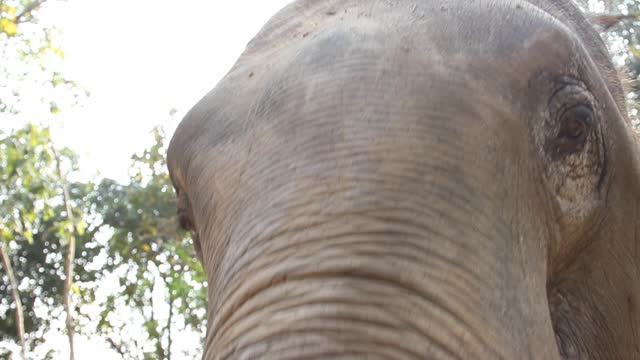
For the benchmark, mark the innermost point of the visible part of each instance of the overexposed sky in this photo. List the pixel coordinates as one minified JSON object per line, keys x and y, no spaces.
{"x":139,"y":59}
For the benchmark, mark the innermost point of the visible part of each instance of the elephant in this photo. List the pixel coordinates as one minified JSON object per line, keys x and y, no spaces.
{"x":416,"y":179}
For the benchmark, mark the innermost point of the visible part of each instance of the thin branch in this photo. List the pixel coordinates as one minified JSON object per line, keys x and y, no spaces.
{"x":32,"y":6}
{"x":6,"y":262}
{"x":116,"y":347}
{"x":71,"y":252}
{"x":606,"y":22}
{"x":95,"y":230}
{"x":169,"y":339}
{"x":22,"y":223}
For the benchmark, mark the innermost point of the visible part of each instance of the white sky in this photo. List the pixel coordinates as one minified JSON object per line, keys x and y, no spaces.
{"x":139,"y":59}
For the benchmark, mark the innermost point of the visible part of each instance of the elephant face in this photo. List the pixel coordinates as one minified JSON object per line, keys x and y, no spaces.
{"x":430,"y":179}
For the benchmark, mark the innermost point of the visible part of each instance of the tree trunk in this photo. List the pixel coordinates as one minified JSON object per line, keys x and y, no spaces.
{"x":169,"y":325}
{"x":155,"y":331}
{"x":6,"y":262}
{"x":71,"y":251}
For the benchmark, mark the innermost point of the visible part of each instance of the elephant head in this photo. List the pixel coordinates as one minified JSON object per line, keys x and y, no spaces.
{"x":416,"y":179}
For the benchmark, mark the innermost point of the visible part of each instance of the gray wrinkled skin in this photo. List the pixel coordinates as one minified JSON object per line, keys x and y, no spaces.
{"x":416,"y":180}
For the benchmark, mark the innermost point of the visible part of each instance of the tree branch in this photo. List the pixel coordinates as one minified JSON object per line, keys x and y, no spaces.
{"x":95,"y":230}
{"x":116,"y":347}
{"x":606,"y":22}
{"x":169,"y":340}
{"x":71,"y":252}
{"x":6,"y":262}
{"x":34,"y":5}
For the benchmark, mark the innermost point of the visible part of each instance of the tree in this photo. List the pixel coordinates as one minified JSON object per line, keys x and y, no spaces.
{"x":34,"y":227}
{"x":71,"y":252}
{"x":149,"y":254}
{"x":29,"y":56}
{"x":31,"y":63}
{"x":15,"y":293}
{"x":140,"y":247}
{"x":619,"y":21}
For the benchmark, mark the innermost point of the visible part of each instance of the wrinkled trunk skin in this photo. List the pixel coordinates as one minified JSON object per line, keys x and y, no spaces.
{"x":369,"y":283}
{"x":375,"y":236}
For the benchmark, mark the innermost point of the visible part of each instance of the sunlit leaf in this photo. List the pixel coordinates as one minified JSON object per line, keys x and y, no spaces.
{"x":28,"y":235}
{"x":75,"y":289}
{"x":8,"y":12}
{"x":8,"y":27}
{"x":57,"y":51}
{"x":6,"y":234}
{"x":81,"y":227}
{"x":53,"y":108}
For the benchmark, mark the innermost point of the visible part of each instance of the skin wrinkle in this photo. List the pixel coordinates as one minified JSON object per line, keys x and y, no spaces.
{"x":406,"y":242}
{"x":275,"y":189}
{"x":418,"y":208}
{"x":268,"y":280}
{"x":403,"y":229}
{"x":578,"y":341}
{"x":324,"y":311}
{"x":285,"y":163}
{"x":239,"y":259}
{"x":400,"y":161}
{"x":358,"y":302}
{"x":271,"y":253}
{"x":354,"y":297}
{"x":451,"y":281}
{"x":387,"y":339}
{"x":381,"y":350}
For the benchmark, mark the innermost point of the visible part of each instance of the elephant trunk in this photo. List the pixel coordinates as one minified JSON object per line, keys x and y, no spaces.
{"x":407,"y":249}
{"x":371,"y":284}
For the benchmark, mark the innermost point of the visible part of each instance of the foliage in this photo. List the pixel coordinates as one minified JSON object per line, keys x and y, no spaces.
{"x":623,"y":38}
{"x":147,"y":252}
{"x":31,"y":76}
{"x":34,"y":225}
{"x":126,"y":231}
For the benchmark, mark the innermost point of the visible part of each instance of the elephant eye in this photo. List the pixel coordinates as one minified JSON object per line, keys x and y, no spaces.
{"x":575,"y":125}
{"x":184,"y":222}
{"x":571,"y":120}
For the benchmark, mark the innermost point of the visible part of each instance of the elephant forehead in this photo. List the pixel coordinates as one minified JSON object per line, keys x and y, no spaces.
{"x":480,"y":45}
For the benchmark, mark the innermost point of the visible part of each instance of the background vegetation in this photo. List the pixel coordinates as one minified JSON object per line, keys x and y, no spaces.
{"x":92,"y":258}
{"x":104,"y":259}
